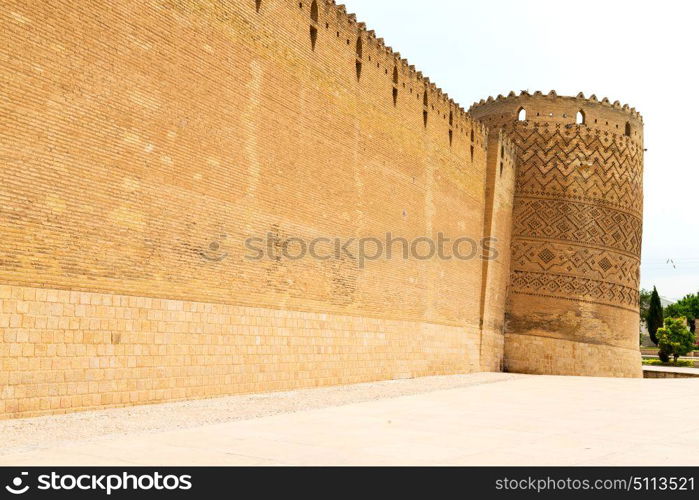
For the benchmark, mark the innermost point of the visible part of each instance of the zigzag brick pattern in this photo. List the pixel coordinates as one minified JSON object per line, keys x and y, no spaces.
{"x":577,"y":230}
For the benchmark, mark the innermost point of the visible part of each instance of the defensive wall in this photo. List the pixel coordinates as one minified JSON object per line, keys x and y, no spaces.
{"x":142,"y":142}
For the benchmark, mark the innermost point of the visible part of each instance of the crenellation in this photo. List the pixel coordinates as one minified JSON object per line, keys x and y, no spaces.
{"x":361,"y":27}
{"x":605,"y":116}
{"x":552,"y":94}
{"x":348,"y":24}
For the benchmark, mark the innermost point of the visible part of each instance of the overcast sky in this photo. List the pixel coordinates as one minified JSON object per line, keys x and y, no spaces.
{"x":642,"y":53}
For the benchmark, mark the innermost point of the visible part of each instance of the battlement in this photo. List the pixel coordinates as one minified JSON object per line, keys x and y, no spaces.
{"x":553,"y":95}
{"x":369,"y":48}
{"x":537,"y":107}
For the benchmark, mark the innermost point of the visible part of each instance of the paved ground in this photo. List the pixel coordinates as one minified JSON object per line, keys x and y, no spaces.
{"x":686,"y":371}
{"x":480,"y":419}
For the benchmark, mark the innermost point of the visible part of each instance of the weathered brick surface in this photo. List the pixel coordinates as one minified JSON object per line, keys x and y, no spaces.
{"x":142,"y":141}
{"x":501,"y":171}
{"x":64,"y":350}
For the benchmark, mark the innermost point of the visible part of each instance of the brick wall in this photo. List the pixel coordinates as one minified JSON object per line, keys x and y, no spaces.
{"x":501,"y":172}
{"x":143,"y":141}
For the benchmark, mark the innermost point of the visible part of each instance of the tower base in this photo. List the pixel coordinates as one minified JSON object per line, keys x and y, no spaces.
{"x":551,"y":356}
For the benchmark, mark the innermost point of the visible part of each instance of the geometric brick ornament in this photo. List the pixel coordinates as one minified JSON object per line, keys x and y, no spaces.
{"x":576,"y":236}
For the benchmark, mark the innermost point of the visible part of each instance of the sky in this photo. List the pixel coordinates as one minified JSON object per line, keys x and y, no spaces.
{"x":641,"y":53}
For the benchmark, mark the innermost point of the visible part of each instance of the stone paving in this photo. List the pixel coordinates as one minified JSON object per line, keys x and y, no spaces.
{"x":480,"y":419}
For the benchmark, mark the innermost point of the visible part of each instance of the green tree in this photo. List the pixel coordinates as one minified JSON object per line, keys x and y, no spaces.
{"x":675,"y":339}
{"x":688,"y":308}
{"x":644,"y":297}
{"x":654,"y":318}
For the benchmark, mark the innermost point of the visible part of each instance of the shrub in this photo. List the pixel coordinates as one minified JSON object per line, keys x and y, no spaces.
{"x":657,"y":362}
{"x":675,"y":339}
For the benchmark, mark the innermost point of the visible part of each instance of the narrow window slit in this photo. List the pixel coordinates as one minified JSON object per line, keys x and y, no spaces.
{"x":359,"y":51}
{"x":314,"y":25}
{"x":395,"y":85}
{"x":314,"y":37}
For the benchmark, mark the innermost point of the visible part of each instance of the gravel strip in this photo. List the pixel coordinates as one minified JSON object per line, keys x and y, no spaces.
{"x":42,"y":432}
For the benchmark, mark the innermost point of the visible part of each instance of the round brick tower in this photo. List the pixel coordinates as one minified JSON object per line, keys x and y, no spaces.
{"x":576,"y":237}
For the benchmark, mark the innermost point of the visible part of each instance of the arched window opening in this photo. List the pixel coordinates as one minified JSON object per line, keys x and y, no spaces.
{"x":627,"y":130}
{"x":425,"y":100}
{"x":472,"y":152}
{"x":522,"y":114}
{"x":258,"y":4}
{"x":395,"y":96}
{"x":451,"y":118}
{"x":424,"y":117}
{"x":451,"y":137}
{"x":580,"y":117}
{"x":358,"y":67}
{"x":472,"y":135}
{"x":395,"y":75}
{"x":360,"y":47}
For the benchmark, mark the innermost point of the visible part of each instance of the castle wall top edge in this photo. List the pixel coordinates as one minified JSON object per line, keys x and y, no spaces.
{"x":370,"y":35}
{"x":552,"y":95}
